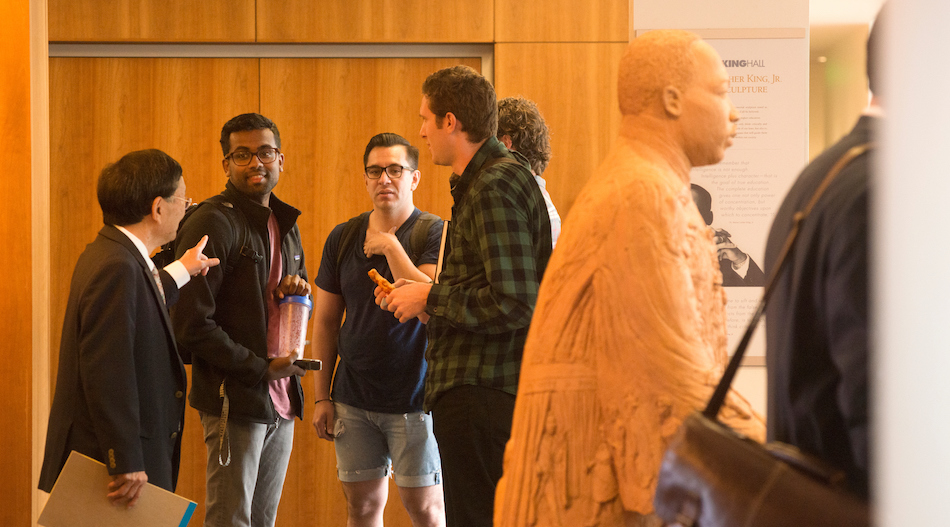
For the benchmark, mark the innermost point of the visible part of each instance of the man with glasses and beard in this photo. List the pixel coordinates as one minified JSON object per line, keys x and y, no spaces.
{"x":246,"y":394}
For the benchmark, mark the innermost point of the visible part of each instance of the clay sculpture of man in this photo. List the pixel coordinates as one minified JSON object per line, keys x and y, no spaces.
{"x":629,"y":335}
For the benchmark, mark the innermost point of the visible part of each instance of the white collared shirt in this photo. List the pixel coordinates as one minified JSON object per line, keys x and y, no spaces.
{"x":176,"y":269}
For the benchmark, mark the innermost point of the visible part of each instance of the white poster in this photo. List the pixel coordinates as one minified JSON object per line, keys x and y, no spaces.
{"x":769,"y":87}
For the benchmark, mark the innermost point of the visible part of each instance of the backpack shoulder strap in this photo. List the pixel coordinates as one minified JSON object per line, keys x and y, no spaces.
{"x":167,"y":253}
{"x":420,"y":235}
{"x":348,"y":238}
{"x":238,"y":225}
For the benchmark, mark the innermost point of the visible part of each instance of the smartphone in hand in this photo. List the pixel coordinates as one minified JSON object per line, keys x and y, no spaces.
{"x":309,"y":364}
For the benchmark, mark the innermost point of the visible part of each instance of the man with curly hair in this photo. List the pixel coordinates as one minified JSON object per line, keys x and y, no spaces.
{"x":523,"y":131}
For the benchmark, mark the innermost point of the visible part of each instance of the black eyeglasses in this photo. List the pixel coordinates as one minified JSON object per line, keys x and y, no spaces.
{"x":393,"y":171}
{"x":243,"y":157}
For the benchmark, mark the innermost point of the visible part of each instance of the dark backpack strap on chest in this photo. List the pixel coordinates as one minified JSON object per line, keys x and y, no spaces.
{"x":420,"y":235}
{"x":350,"y":231}
{"x":417,"y":239}
{"x":240,"y":226}
{"x":166,"y":254}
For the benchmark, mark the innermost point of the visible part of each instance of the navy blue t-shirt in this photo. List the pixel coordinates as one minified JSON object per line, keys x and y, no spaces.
{"x":382,"y":362}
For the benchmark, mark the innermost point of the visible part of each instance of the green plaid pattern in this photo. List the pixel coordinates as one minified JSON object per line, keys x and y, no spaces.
{"x":500,"y":239}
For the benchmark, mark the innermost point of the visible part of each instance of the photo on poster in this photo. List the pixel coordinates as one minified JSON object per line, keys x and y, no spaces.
{"x":737,"y":267}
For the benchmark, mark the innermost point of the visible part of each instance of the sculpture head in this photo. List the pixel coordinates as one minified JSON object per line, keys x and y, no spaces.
{"x":676,"y":77}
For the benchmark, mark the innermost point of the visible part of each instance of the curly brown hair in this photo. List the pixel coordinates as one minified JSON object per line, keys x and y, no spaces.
{"x":520,"y":119}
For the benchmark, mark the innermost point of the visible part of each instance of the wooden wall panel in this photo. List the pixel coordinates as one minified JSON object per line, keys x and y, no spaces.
{"x":151,"y":20}
{"x":575,"y":87}
{"x":16,"y":360}
{"x":404,"y":21}
{"x":561,"y":21}
{"x":327,"y":110}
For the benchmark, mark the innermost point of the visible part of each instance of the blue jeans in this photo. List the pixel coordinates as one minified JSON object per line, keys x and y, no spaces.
{"x":370,"y":444}
{"x":247,"y":491}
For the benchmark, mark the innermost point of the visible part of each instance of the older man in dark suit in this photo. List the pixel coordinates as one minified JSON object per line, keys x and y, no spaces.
{"x":120,"y":388}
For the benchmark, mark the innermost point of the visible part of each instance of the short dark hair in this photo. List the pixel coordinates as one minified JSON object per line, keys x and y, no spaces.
{"x":127,"y":188}
{"x":247,"y":122}
{"x":703,"y":201}
{"x":468,"y":95}
{"x":520,"y":119}
{"x":387,"y":139}
{"x":874,"y":50}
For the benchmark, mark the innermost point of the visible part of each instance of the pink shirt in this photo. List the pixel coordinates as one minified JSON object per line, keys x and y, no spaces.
{"x":279,"y":389}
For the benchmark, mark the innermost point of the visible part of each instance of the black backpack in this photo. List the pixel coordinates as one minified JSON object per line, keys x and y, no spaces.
{"x":166,"y":254}
{"x":417,"y":239}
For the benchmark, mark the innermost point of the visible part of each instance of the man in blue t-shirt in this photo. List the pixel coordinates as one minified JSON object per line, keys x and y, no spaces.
{"x":375,"y":416}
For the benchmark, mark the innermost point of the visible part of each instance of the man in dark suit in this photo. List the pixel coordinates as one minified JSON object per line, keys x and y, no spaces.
{"x":120,"y":387}
{"x":817,"y":319}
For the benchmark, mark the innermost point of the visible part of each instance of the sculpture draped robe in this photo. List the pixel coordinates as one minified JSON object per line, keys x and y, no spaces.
{"x":628,"y":338}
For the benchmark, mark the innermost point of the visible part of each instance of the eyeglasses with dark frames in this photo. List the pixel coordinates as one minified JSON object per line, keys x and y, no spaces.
{"x":265,"y":154}
{"x":393,"y":171}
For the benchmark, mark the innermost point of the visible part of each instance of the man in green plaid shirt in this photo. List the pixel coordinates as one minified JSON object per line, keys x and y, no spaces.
{"x":497,"y":247}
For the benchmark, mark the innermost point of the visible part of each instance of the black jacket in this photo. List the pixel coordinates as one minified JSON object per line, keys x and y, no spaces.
{"x":817,"y":318}
{"x":120,"y":387}
{"x":221,"y":318}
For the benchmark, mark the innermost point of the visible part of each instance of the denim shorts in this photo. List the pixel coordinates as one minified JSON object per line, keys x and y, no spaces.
{"x":373,"y":445}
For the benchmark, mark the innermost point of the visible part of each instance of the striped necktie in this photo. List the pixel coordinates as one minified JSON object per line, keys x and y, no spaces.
{"x":158,"y":281}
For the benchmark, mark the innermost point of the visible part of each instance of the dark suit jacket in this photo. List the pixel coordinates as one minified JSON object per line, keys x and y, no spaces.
{"x":817,"y":318}
{"x":120,"y":386}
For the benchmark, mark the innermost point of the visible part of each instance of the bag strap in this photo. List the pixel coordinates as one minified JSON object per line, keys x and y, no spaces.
{"x":231,"y":212}
{"x":442,"y":250}
{"x":417,"y":237}
{"x":420,"y":235}
{"x":166,"y":253}
{"x":719,"y":396}
{"x":348,"y":236}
